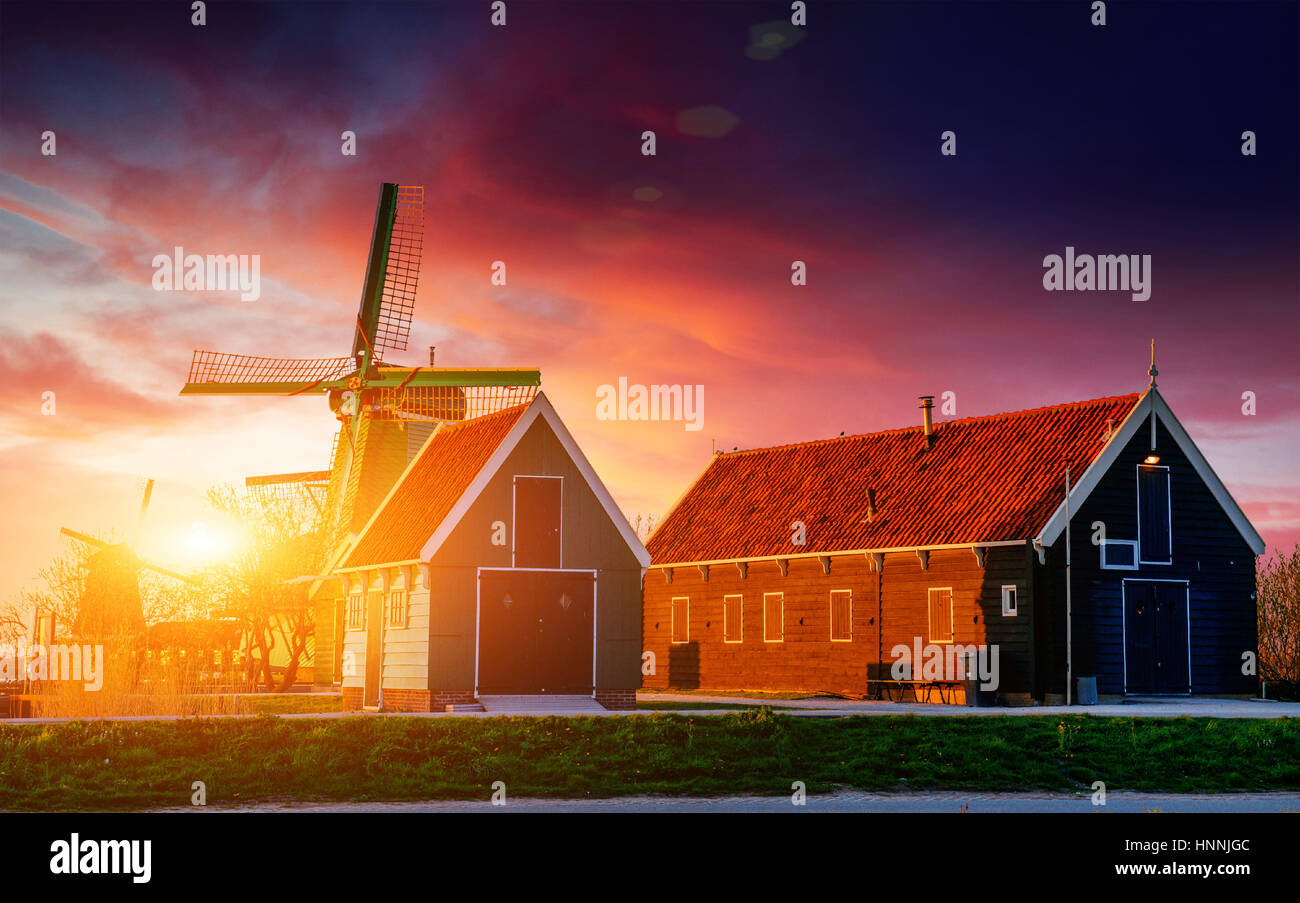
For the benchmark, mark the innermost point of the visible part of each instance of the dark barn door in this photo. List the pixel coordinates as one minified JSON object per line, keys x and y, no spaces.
{"x":1155,"y":630}
{"x":535,"y":631}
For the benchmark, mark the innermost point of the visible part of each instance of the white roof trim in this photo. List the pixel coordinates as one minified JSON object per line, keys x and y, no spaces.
{"x":540,"y":407}
{"x":1150,"y":404}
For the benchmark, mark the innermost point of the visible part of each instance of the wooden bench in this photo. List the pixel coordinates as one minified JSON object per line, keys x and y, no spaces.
{"x":885,"y":689}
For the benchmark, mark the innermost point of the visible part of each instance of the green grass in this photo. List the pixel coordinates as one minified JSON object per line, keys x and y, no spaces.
{"x":691,"y":706}
{"x":124,"y":765}
{"x":775,"y":695}
{"x":291,"y":704}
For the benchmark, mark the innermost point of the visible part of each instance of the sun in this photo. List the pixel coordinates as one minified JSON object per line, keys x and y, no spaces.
{"x":206,"y":543}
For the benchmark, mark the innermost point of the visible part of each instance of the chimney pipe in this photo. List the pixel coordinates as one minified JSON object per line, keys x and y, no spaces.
{"x":927,"y":417}
{"x":431,"y":351}
{"x":871,"y":504}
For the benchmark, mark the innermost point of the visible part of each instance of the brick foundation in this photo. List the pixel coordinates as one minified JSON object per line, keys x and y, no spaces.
{"x":440,"y":698}
{"x":617,"y":700}
{"x":406,"y":701}
{"x":352,"y":699}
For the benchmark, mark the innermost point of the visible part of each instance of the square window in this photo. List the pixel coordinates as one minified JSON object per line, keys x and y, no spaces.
{"x":1119,"y":555}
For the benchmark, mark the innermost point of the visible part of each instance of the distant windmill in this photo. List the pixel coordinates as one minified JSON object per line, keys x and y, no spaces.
{"x":110,"y":604}
{"x":374,"y":401}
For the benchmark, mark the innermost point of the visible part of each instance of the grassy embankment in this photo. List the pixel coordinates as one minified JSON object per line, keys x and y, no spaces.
{"x":124,"y":765}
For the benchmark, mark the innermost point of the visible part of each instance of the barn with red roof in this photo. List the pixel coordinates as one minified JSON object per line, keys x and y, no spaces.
{"x":498,"y":566}
{"x":859,"y":564}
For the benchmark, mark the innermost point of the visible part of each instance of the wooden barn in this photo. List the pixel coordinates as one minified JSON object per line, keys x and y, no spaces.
{"x":498,"y":564}
{"x":814,"y":566}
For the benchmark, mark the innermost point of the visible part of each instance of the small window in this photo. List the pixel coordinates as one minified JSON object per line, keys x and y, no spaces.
{"x":681,"y":619}
{"x":733,"y":619}
{"x":841,"y":616}
{"x":941,"y":615}
{"x":356,"y":612}
{"x":1119,"y":555}
{"x":1009,"y":602}
{"x":397,"y":608}
{"x":773,"y":617}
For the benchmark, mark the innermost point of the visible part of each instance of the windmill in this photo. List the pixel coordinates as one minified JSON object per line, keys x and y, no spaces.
{"x":110,"y":605}
{"x":385,"y":411}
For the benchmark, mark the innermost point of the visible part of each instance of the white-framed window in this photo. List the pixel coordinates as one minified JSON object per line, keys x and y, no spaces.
{"x":681,"y":619}
{"x":841,"y":615}
{"x":1119,"y":554}
{"x":356,"y":611}
{"x":1155,"y":515}
{"x":397,"y":608}
{"x":940,"y":620}
{"x":1010,"y":601}
{"x":733,"y":619}
{"x":773,"y":617}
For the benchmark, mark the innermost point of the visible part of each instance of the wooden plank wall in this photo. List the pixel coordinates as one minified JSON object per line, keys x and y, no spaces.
{"x":1208,"y":552}
{"x":590,"y":541}
{"x":889,"y":608}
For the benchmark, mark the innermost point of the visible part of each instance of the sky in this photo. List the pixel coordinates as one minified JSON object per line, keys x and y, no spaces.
{"x":774,"y":144}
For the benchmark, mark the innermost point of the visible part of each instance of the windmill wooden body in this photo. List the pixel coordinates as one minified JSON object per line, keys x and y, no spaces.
{"x":110,"y":605}
{"x":385,"y":411}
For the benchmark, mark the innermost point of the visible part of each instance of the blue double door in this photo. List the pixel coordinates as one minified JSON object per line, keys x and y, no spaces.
{"x":1156,"y":624}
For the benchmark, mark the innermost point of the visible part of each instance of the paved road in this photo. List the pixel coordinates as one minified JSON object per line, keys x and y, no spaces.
{"x":828,"y":707}
{"x":947,"y":801}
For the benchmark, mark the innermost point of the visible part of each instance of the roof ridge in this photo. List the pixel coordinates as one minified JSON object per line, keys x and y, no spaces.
{"x":906,"y":429}
{"x":453,"y":424}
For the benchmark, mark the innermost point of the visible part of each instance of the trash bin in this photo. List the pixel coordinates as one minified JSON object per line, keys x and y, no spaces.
{"x":976,"y":696}
{"x":970,"y":679}
{"x":1087,"y":690}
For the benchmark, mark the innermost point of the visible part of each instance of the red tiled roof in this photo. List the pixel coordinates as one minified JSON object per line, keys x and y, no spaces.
{"x":985,"y":479}
{"x":430,"y":488}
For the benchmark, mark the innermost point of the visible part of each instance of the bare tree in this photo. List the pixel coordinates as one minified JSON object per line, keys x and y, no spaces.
{"x":1277,"y":585}
{"x":281,"y":544}
{"x":643,"y":525}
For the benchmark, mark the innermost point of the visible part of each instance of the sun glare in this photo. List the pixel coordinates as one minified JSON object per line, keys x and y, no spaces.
{"x":207,"y":543}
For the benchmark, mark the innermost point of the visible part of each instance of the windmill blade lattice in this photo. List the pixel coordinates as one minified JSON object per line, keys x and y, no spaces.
{"x":402,"y":273}
{"x":215,"y":373}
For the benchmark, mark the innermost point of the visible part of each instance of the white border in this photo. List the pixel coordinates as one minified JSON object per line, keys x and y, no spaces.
{"x":1015,"y":588}
{"x":1107,"y":566}
{"x":514,"y":513}
{"x":540,"y":407}
{"x":595,"y":608}
{"x":1150,"y":403}
{"x":741,"y":597}
{"x":831,"y":601}
{"x":672,"y":621}
{"x":347,"y":621}
{"x":1169,"y":510}
{"x":1123,"y":598}
{"x":781,"y":594}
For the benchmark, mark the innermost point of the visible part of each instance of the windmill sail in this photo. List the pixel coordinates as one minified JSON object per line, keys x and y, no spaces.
{"x":214,"y":373}
{"x":402,"y":272}
{"x":277,"y":488}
